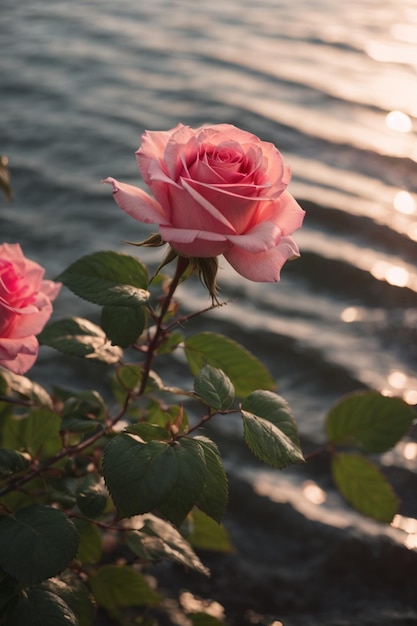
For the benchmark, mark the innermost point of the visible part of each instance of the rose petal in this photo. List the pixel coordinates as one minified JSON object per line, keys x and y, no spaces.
{"x":285,"y":212}
{"x":263,"y":267}
{"x":194,"y":243}
{"x":18,"y":356}
{"x":153,"y":144}
{"x":262,"y":237}
{"x":137,"y":203}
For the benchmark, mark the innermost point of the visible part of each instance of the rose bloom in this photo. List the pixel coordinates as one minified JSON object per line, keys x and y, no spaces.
{"x":25,"y":307}
{"x":218,"y":190}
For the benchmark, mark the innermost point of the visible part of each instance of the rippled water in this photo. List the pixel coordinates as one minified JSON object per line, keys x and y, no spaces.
{"x":332,"y":84}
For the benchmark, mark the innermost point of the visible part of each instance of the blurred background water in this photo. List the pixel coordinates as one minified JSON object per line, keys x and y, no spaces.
{"x":332,"y":84}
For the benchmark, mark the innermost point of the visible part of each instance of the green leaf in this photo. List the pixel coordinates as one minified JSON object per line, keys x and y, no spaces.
{"x":214,"y":388}
{"x":138,"y":476}
{"x":9,"y":591}
{"x":108,"y":278}
{"x":41,"y":607}
{"x":206,"y":534}
{"x":148,"y":432}
{"x":270,"y":430}
{"x":158,"y":540}
{"x":364,"y":487}
{"x":81,"y":412}
{"x":36,"y":543}
{"x":123,"y":324}
{"x":144,"y":476}
{"x":244,"y":370}
{"x":213,"y":496}
{"x":11,"y":462}
{"x":117,"y":586}
{"x":79,"y":337}
{"x":190,"y":475}
{"x":170,"y":342}
{"x":27,"y":389}
{"x":70,"y":588}
{"x":90,"y":547}
{"x":165,"y":417}
{"x":369,"y":420}
{"x":37,"y":433}
{"x":92,"y":495}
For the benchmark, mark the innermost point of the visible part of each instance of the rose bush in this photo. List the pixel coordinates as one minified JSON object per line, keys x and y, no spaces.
{"x":25,"y":307}
{"x":218,"y":190}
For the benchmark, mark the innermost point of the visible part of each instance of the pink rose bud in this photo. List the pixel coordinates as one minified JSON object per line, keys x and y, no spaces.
{"x":218,"y":190}
{"x":25,"y":307}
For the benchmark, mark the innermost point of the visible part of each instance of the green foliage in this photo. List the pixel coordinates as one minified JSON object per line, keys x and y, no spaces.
{"x":12,"y":462}
{"x":207,"y":535}
{"x":86,"y":476}
{"x":244,"y":370}
{"x":79,"y":337}
{"x":37,"y":542}
{"x":37,"y":433}
{"x":364,"y":487}
{"x":41,"y":606}
{"x":366,"y":422}
{"x":90,"y":548}
{"x":270,"y":430}
{"x":214,"y":388}
{"x":122,"y":324}
{"x":164,"y":476}
{"x":157,"y":540}
{"x":91,"y":495}
{"x":108,"y":278}
{"x":116,"y":586}
{"x":369,"y":421}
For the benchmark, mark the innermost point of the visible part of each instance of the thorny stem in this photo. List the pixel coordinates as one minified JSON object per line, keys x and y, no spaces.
{"x":182,"y":265}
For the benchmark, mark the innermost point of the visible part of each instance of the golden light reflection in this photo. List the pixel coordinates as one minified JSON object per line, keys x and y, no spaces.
{"x":410,"y":451}
{"x":399,"y":121}
{"x":412,"y":233}
{"x":397,"y":379}
{"x":192,"y":604}
{"x":313,"y":493}
{"x":350,"y":314}
{"x":409,"y":526}
{"x":404,"y":203}
{"x":394,"y":274}
{"x":390,"y":52}
{"x":410,"y":396}
{"x":404,"y":32}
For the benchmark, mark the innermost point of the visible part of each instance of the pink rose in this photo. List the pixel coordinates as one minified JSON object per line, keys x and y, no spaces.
{"x":25,"y":307}
{"x":219,"y":190}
